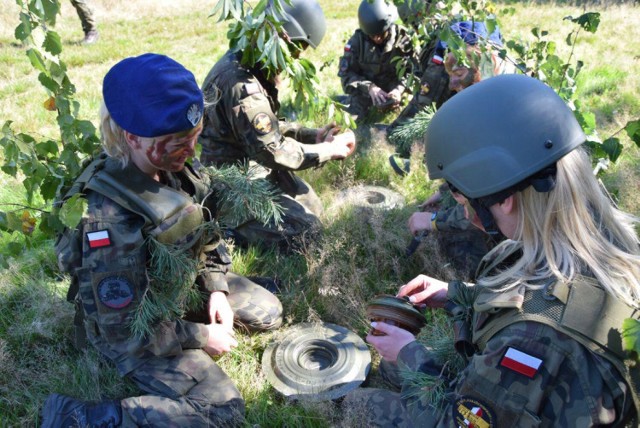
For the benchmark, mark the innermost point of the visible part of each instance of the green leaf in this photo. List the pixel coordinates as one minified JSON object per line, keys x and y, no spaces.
{"x":72,"y":210}
{"x":23,"y":30}
{"x":52,"y":43}
{"x":633,"y":131}
{"x":15,"y":248}
{"x":37,"y":60}
{"x":46,"y":148}
{"x":588,"y":21}
{"x":13,"y":222}
{"x":613,"y":148}
{"x":631,"y":335}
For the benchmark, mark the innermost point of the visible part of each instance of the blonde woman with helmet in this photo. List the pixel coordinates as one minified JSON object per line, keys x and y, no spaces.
{"x":540,"y":331}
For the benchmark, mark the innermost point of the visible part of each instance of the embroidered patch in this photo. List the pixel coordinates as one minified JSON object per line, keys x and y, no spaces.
{"x":437,"y":59}
{"x":99,"y":239}
{"x":520,"y":362}
{"x":262,"y":123}
{"x":115,"y":292}
{"x":252,"y":88}
{"x":194,"y":114}
{"x":347,"y":47}
{"x":424,"y":89}
{"x":469,"y":412}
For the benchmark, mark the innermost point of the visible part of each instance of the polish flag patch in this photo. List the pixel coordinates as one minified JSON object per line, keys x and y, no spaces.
{"x":99,"y":239}
{"x":520,"y":362}
{"x":347,"y":47}
{"x":437,"y":59}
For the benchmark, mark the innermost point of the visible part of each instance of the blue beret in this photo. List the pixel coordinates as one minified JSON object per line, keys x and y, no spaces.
{"x":470,"y":32}
{"x":152,"y":95}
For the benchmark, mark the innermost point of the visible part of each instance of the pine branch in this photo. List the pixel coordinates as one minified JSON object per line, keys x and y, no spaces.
{"x":241,"y":196}
{"x":413,"y":130}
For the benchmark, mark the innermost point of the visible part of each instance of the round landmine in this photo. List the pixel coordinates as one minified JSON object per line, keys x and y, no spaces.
{"x":395,"y":311}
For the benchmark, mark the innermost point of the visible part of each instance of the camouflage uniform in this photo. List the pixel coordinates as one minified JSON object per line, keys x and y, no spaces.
{"x":434,"y":85}
{"x":462,"y":244}
{"x":86,"y":15}
{"x":365,"y":63}
{"x":107,"y":256}
{"x":556,"y":380}
{"x":242,"y":126}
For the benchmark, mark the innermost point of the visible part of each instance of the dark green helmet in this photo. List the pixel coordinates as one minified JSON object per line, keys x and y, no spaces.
{"x":305,"y":21}
{"x":376,"y":17}
{"x":499,"y":133}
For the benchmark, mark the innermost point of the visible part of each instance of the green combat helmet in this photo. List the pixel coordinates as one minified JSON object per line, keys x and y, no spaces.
{"x":305,"y":22}
{"x":376,"y":17}
{"x":500,"y":134}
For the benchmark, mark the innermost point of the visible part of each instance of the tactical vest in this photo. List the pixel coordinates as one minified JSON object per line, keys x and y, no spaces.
{"x":170,"y":216}
{"x":582,"y":309}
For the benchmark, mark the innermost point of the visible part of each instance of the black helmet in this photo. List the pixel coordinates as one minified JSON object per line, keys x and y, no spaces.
{"x":376,"y":17}
{"x":305,"y":21}
{"x":499,"y":135}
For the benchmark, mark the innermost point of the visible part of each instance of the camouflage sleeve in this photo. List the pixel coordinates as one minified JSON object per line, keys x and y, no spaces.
{"x":258,"y":127}
{"x":452,"y":218}
{"x":299,"y":133}
{"x":408,"y":54}
{"x":532,"y":375}
{"x":351,"y":77}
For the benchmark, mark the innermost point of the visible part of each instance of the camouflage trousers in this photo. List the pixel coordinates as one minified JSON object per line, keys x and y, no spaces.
{"x":190,"y":390}
{"x":85,"y":14}
{"x":376,"y":407}
{"x":300,"y":221}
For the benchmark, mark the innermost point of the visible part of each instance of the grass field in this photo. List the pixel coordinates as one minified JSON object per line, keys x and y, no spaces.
{"x":360,"y":255}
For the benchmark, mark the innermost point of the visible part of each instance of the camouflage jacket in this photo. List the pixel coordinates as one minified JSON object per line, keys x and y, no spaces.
{"x":364,"y":62}
{"x":107,"y":256}
{"x":241,"y":123}
{"x":528,"y":374}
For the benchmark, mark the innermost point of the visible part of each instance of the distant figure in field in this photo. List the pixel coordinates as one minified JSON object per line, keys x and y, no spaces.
{"x":88,"y":22}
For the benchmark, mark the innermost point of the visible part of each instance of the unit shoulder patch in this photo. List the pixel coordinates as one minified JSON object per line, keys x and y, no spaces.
{"x":262,"y":123}
{"x":471,"y":412}
{"x":521,"y":362}
{"x":115,"y":292}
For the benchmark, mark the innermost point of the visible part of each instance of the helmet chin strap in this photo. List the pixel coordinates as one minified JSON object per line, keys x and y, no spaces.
{"x":487,"y":220}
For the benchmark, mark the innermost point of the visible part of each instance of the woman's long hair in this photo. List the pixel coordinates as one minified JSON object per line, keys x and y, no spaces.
{"x":574,"y":229}
{"x":113,"y":140}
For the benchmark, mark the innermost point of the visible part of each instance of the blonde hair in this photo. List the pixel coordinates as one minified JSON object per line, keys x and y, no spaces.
{"x":113,"y":140}
{"x":574,"y":229}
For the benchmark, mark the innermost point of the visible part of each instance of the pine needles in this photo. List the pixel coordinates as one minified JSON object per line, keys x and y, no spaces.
{"x":241,"y":196}
{"x":172,"y":290}
{"x":412,"y":130}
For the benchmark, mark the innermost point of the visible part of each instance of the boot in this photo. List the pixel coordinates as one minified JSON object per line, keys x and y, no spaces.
{"x":90,"y":37}
{"x":65,"y":412}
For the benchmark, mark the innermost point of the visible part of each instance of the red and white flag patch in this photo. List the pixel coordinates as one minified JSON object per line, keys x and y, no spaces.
{"x":99,"y":239}
{"x":520,"y":362}
{"x":347,"y":47}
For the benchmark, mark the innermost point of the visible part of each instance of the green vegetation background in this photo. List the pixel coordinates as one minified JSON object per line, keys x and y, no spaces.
{"x":361,"y":254}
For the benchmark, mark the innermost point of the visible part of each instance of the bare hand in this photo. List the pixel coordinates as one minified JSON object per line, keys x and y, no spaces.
{"x":220,"y":340}
{"x":378,"y":96}
{"x":326,"y":133}
{"x":344,"y":145}
{"x":419,"y":221}
{"x":432,"y":202}
{"x":425,"y":291}
{"x":219,"y":310}
{"x":395,"y":339}
{"x":396,"y":94}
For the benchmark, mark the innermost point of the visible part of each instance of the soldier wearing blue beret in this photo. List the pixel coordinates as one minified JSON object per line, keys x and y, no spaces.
{"x":149,"y":273}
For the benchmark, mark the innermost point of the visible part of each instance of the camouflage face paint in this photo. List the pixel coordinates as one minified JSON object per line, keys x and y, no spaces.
{"x":170,"y":152}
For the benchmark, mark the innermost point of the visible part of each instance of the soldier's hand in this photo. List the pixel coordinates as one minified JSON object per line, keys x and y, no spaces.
{"x":432,"y":202}
{"x":425,"y":291}
{"x":343,"y":145}
{"x":220,"y":340}
{"x":327,"y":132}
{"x":378,"y":96}
{"x":396,"y":94}
{"x":419,"y":221}
{"x":394,"y":339}
{"x":220,"y":311}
